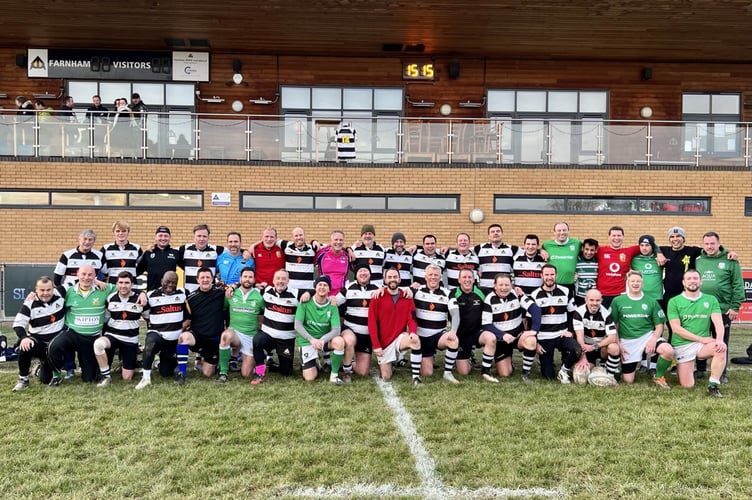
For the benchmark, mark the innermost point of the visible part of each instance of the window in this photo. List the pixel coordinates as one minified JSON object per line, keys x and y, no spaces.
{"x":713,"y":129}
{"x":323,"y":202}
{"x":550,"y":126}
{"x":602,"y":205}
{"x":137,"y":200}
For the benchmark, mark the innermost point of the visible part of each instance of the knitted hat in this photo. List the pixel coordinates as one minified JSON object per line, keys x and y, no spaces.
{"x":398,"y":236}
{"x":676,"y":230}
{"x":367,"y":228}
{"x":647,"y":238}
{"x":323,"y":279}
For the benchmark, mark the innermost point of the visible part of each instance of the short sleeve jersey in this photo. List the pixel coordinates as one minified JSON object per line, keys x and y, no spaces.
{"x":636,"y":317}
{"x":317,"y":319}
{"x":694,"y":315}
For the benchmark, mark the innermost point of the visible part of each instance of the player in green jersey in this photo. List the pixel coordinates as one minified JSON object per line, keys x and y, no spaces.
{"x":318,"y":326}
{"x":639,"y":320}
{"x":246,"y":306}
{"x":691,"y":315}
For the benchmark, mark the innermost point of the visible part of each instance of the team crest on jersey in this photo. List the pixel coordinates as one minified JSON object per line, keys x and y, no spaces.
{"x":706,"y":305}
{"x":95,"y":301}
{"x":648,"y":266}
{"x":132,"y":254}
{"x":559,"y":300}
{"x":177,"y":299}
{"x":278,"y":254}
{"x":288,"y":302}
{"x":622,"y":257}
{"x":721,"y":265}
{"x":134,"y":307}
{"x":571,"y":248}
{"x":644,"y":307}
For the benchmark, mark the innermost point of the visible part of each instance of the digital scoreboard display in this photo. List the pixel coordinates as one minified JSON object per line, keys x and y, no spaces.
{"x":418,"y":70}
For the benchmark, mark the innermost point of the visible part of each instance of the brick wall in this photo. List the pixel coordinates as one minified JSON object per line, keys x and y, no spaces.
{"x":39,"y":235}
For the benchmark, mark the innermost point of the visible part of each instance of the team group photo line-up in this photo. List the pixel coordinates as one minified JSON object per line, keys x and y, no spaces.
{"x":610,"y":310}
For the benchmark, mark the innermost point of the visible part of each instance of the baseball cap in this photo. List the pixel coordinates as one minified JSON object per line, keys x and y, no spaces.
{"x":162,"y":229}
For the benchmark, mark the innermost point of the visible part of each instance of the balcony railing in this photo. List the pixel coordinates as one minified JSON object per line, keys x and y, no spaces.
{"x":302,"y":138}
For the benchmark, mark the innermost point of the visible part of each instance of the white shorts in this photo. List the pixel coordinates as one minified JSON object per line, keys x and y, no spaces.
{"x":635,"y":347}
{"x":687,"y":352}
{"x":389,"y":353}
{"x":246,"y":343}
{"x":308,"y":354}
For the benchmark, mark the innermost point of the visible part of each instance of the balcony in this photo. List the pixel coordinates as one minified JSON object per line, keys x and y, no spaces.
{"x":380,"y":140}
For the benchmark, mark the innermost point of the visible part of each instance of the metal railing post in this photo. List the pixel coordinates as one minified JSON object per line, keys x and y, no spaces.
{"x":248,"y":139}
{"x":599,"y":156}
{"x":697,"y":145}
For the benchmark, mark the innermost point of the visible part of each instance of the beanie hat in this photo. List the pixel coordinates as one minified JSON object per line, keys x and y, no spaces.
{"x":323,"y":279}
{"x":676,"y":230}
{"x":398,"y":236}
{"x":647,"y":238}
{"x":367,"y":228}
{"x":361,"y":265}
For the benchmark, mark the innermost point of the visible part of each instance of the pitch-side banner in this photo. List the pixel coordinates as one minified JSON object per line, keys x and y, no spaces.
{"x":745,"y":311}
{"x":116,"y":65}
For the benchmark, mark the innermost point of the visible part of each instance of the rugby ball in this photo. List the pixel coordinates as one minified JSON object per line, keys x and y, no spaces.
{"x":580,"y":374}
{"x":599,"y":377}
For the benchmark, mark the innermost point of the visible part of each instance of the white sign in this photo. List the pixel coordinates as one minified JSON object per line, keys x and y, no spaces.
{"x":38,"y":63}
{"x":220,"y":199}
{"x":190,"y":66}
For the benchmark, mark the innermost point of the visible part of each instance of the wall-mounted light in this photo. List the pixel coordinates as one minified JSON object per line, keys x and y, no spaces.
{"x":265,"y":102}
{"x":445,"y":110}
{"x":476,"y":215}
{"x":646,"y":112}
{"x":419,"y":104}
{"x":472,"y":104}
{"x":49,"y":95}
{"x":237,"y":105}
{"x":215,"y":99}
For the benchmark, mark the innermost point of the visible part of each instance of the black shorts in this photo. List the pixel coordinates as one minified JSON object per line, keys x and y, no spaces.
{"x":504,"y":350}
{"x":429,"y":345}
{"x":467,"y":343}
{"x":127,"y":352}
{"x":363,"y":343}
{"x":264,"y":343}
{"x":208,"y":347}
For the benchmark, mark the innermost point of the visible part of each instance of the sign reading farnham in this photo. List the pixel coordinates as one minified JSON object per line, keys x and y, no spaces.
{"x":115,"y":65}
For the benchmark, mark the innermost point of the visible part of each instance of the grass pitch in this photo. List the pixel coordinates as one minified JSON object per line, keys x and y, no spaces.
{"x":289,"y":439}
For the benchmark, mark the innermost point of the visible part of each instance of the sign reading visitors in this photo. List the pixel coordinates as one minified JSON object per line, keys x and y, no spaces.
{"x":117,"y":65}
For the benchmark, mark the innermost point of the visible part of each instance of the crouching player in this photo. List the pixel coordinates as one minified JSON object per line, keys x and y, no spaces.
{"x":392,"y":326}
{"x":691,"y":315}
{"x":164,"y":315}
{"x":318,"y":326}
{"x":639,"y":323}
{"x":246,"y":306}
{"x":120,"y":331}
{"x":42,"y":314}
{"x":503,"y":314}
{"x":596,"y":333}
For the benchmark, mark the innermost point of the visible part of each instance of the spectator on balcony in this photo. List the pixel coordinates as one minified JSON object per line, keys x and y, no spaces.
{"x":25,"y":106}
{"x":97,"y":111}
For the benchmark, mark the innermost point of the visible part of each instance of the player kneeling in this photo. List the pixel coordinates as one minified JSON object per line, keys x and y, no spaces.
{"x":318,"y":326}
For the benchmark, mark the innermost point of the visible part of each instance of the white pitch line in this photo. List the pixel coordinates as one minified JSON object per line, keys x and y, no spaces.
{"x":431,"y":484}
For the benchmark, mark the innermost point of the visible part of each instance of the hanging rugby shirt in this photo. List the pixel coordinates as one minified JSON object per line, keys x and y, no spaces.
{"x":345,"y":137}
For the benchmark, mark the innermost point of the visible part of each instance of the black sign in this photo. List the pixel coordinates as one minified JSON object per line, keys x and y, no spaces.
{"x":99,"y":64}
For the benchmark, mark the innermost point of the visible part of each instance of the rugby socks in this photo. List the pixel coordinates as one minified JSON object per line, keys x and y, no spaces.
{"x":485,"y":365}
{"x":146,"y":375}
{"x":415,"y":359}
{"x":224,"y":359}
{"x":347,"y":368}
{"x":662,"y":366}
{"x":261,"y":370}
{"x":105,"y":372}
{"x":528,"y":357}
{"x":337,"y":361}
{"x":450,"y":356}
{"x":327,"y":358}
{"x":612,"y":364}
{"x":182,"y":352}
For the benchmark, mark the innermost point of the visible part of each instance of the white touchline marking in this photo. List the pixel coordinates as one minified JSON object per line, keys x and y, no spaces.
{"x":431,"y":484}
